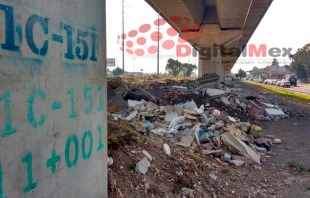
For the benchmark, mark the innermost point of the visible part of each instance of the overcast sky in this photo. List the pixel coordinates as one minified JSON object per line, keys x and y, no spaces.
{"x":286,"y":24}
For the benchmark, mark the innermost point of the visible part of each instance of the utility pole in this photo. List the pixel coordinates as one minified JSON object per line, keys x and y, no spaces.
{"x":133,"y":65}
{"x":123,"y":35}
{"x":158,"y":46}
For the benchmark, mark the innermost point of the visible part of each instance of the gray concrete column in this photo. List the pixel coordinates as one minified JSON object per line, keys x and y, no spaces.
{"x":53,"y":120}
{"x":210,"y":63}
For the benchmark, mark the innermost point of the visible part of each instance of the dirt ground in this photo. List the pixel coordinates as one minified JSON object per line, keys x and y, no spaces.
{"x":178,"y":174}
{"x":295,"y":135}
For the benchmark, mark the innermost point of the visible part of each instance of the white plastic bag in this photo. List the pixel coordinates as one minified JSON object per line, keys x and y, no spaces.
{"x":176,"y":121}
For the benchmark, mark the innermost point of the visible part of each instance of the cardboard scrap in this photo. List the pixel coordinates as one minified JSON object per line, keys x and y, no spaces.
{"x":189,"y":116}
{"x":196,"y":126}
{"x":132,"y":115}
{"x":186,"y":141}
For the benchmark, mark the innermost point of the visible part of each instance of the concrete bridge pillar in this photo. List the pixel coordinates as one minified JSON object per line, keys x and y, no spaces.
{"x":53,"y":119}
{"x":210,"y":63}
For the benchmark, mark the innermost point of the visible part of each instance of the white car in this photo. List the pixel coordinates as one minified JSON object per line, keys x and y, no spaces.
{"x":280,"y":82}
{"x":286,"y":84}
{"x":272,"y":82}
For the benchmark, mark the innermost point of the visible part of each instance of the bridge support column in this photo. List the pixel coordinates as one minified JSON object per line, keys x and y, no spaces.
{"x":211,"y":65}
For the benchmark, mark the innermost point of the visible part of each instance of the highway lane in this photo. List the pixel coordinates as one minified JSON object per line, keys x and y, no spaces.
{"x":300,"y":88}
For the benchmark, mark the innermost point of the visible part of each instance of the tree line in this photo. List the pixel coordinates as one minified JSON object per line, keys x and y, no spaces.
{"x":300,"y":64}
{"x":176,"y":68}
{"x":173,"y":67}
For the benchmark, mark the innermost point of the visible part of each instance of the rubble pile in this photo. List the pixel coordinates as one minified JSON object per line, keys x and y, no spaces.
{"x":236,"y":102}
{"x":204,"y":129}
{"x":188,"y":123}
{"x":144,"y":164}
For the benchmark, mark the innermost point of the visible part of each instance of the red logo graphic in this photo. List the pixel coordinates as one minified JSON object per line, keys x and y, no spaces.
{"x":144,"y":40}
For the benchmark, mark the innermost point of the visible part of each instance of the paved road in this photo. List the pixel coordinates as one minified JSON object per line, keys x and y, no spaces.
{"x":301,"y":88}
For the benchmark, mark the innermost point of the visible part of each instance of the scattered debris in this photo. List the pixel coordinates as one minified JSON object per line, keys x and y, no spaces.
{"x":143,"y":166}
{"x":147,"y":155}
{"x":213,"y":176}
{"x":167,"y":149}
{"x":192,"y":122}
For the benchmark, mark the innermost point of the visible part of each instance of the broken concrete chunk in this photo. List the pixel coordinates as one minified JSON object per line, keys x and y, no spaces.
{"x":227,"y":90}
{"x":242,"y":105}
{"x":225,"y":101}
{"x":180,"y":89}
{"x":226,"y":157}
{"x":215,"y":93}
{"x":237,"y":162}
{"x":132,"y":115}
{"x":143,"y":166}
{"x":261,"y":150}
{"x":119,"y":86}
{"x":276,"y":141}
{"x":213,"y":176}
{"x":149,"y":157}
{"x":188,"y":192}
{"x":246,"y":160}
{"x":274,"y":112}
{"x":110,"y":92}
{"x":269,"y":105}
{"x":118,"y":101}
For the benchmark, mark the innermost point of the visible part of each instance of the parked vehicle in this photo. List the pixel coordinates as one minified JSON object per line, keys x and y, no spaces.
{"x":286,"y":84}
{"x":266,"y":81}
{"x":280,"y":82}
{"x":261,"y":79}
{"x":273,"y":82}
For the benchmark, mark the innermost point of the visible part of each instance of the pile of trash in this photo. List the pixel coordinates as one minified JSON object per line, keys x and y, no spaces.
{"x":172,"y":137}
{"x":205,"y":130}
{"x":237,"y":102}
